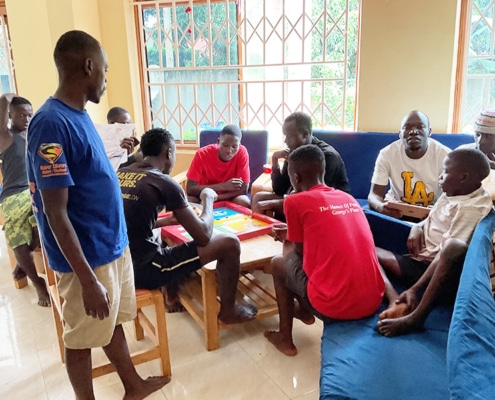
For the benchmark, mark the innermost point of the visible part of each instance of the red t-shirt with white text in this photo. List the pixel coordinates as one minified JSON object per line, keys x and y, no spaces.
{"x":339,"y":256}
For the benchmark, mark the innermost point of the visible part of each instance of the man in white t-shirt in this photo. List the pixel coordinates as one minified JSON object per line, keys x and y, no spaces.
{"x":411,"y":165}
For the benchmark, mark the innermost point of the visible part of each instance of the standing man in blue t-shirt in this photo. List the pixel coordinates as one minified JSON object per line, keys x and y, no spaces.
{"x":78,"y":206}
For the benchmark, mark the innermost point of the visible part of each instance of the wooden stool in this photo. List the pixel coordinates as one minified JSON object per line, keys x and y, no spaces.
{"x":157,"y":333}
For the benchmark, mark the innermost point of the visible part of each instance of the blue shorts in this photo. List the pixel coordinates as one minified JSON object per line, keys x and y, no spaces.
{"x":169,"y":266}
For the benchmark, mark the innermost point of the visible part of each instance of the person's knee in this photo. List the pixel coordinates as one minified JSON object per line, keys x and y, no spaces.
{"x":229,"y":244}
{"x":242,"y":200}
{"x":277,"y":265}
{"x":454,"y":251}
{"x":261,"y":196}
{"x":388,"y":261}
{"x":256,"y":198}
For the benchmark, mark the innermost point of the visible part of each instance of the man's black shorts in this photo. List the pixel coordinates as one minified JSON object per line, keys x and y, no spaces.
{"x":169,"y":266}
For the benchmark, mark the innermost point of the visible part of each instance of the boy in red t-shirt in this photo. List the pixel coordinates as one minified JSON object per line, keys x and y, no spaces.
{"x":223,"y":167}
{"x":329,"y":263}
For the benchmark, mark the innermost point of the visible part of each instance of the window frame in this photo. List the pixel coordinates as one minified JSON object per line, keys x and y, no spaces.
{"x":5,"y":27}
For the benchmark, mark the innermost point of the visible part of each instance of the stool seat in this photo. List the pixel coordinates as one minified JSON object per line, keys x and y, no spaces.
{"x":142,"y":292}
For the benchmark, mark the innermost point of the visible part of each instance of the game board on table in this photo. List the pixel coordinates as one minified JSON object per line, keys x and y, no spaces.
{"x":228,"y":217}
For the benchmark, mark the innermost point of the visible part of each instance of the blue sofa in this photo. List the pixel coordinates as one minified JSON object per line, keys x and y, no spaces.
{"x":453,"y":358}
{"x":359,"y":151}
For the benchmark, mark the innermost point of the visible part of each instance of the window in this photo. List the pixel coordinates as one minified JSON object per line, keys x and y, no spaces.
{"x":7,"y":81}
{"x":250,"y":63}
{"x":477,"y":68}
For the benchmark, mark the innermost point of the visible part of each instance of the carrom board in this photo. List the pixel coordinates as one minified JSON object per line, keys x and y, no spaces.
{"x":228,"y":217}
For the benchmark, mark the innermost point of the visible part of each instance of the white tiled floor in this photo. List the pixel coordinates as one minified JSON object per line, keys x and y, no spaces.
{"x":246,"y":366}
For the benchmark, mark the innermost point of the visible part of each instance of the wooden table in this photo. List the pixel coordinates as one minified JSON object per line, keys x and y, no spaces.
{"x":198,"y":294}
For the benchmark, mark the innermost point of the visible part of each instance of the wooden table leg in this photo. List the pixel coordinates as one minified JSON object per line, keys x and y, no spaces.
{"x":210,"y":303}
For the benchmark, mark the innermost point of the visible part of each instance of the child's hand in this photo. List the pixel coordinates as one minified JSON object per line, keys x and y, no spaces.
{"x":232,"y":184}
{"x":129,"y":143}
{"x":388,"y":209}
{"x":416,"y":240}
{"x":279,"y":232}
{"x":284,"y":153}
{"x":408,"y":297}
{"x":207,"y":192}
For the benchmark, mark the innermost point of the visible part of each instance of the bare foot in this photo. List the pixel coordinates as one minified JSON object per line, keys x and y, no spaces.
{"x":282,"y":344}
{"x":396,"y":310}
{"x":18,"y":273}
{"x":399,"y":326}
{"x":171,"y":297}
{"x":303,"y":314}
{"x":240,"y":314}
{"x":148,"y":386}
{"x":174,"y":307}
{"x":43,"y":296}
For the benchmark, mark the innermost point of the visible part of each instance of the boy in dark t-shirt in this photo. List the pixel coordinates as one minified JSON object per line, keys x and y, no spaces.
{"x":146,"y":190}
{"x":297,"y":130}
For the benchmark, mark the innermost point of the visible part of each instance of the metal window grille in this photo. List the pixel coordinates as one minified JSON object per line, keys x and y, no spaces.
{"x":247,"y":62}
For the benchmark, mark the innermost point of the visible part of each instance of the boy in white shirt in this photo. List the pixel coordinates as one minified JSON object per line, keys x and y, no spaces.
{"x":437,"y":245}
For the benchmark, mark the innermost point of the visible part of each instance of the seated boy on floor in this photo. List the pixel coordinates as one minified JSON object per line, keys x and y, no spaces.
{"x":437,"y":245}
{"x":147,"y":189}
{"x":329,"y":264}
{"x":223,"y":167}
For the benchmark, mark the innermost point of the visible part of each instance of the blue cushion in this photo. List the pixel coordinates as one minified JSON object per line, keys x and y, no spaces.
{"x":359,"y":363}
{"x":388,"y":233}
{"x":442,"y":362}
{"x":471,"y":345}
{"x":256,"y":143}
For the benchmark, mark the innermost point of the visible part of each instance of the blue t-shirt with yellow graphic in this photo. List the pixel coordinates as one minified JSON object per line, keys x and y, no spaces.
{"x":64,"y":150}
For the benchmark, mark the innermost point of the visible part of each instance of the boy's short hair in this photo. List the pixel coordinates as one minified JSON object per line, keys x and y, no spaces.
{"x":114,"y":112}
{"x":18,"y":101}
{"x":231,"y":130}
{"x":153,"y":141}
{"x":308,"y":157}
{"x":302,"y":120}
{"x":471,"y":161}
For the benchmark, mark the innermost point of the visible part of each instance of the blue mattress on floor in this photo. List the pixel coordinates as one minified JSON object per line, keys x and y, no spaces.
{"x":448,"y":360}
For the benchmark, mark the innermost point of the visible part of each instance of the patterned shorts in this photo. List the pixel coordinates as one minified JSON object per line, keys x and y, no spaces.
{"x":19,"y":219}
